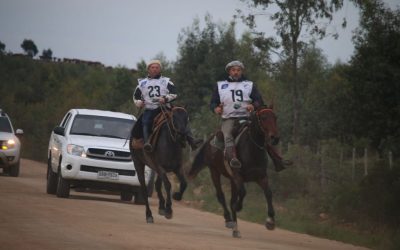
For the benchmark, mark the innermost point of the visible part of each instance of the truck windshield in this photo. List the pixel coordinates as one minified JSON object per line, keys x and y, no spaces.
{"x":103,"y":126}
{"x":5,"y":125}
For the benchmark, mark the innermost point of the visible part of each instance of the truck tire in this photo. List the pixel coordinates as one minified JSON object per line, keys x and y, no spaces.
{"x":126,"y":195}
{"x":52,"y":180}
{"x":14,"y":170}
{"x":63,"y":187}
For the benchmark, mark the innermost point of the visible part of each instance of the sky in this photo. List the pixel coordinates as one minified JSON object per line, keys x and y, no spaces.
{"x":124,"y":32}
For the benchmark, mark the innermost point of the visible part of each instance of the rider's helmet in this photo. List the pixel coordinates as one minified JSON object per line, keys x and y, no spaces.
{"x":233,"y":64}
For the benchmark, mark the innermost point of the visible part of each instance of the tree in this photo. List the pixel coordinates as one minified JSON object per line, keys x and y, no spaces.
{"x":292,"y":19}
{"x":203,"y":54}
{"x":47,"y":54}
{"x":29,"y":47}
{"x":374,"y":74}
{"x":2,"y":48}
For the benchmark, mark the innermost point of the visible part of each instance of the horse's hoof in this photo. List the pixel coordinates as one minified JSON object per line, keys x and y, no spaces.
{"x":161,"y":211}
{"x":270,"y":224}
{"x":236,"y":234}
{"x":168,"y":215}
{"x":150,"y":220}
{"x":230,"y":224}
{"x":177,"y":196}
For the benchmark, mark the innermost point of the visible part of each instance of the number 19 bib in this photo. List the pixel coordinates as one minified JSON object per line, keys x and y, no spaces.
{"x":235,"y":97}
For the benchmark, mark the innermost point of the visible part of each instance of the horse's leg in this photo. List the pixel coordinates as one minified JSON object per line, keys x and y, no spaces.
{"x":235,"y":187}
{"x":161,"y":200}
{"x":242,"y":194}
{"x":182,"y":185}
{"x":139,"y":166}
{"x":270,"y":221}
{"x":168,"y":203}
{"x":216,"y":179}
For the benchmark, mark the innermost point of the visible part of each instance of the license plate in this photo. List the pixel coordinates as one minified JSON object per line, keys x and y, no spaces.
{"x":107,"y":175}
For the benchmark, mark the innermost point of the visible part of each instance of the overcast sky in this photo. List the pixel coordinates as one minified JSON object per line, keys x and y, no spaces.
{"x":122,"y":32}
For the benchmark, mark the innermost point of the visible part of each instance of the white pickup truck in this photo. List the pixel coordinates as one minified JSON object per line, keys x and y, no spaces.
{"x":90,"y":150}
{"x":10,"y":146}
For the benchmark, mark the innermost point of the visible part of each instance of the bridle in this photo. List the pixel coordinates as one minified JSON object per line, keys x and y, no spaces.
{"x":259,"y":125}
{"x":169,"y":117}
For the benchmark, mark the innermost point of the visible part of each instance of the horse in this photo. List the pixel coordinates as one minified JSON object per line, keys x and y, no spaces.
{"x":251,"y":145}
{"x":165,"y":157}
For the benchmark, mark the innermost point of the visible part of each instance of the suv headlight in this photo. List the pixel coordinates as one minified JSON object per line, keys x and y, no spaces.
{"x":76,"y":150}
{"x":8,"y":144}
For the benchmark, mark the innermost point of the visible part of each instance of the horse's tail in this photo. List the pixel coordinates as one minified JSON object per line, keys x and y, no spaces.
{"x":199,"y":162}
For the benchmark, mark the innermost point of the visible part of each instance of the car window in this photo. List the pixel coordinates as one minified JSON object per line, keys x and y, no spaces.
{"x":65,"y":120}
{"x":5,"y":125}
{"x":101,"y":126}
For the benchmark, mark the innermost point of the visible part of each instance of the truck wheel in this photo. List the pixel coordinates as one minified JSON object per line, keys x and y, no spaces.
{"x":63,"y":187}
{"x":51,"y":179}
{"x":126,"y":195}
{"x":14,"y":170}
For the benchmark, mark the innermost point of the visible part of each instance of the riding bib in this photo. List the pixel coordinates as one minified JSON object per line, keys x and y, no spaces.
{"x":152,"y":90}
{"x":235,"y":96}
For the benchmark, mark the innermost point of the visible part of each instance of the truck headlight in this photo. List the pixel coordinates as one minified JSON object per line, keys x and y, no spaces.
{"x":76,"y":150}
{"x":8,"y":144}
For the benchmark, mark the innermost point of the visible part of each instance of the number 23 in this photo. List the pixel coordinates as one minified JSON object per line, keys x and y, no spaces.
{"x":154,"y":88}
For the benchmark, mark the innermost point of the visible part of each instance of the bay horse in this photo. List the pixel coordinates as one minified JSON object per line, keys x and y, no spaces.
{"x":165,"y":157}
{"x":260,"y":132}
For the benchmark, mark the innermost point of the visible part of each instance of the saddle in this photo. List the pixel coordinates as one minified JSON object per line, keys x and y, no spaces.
{"x":217,"y":142}
{"x":159,"y":120}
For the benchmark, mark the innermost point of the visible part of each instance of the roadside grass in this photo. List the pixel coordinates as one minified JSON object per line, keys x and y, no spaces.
{"x":294,"y":214}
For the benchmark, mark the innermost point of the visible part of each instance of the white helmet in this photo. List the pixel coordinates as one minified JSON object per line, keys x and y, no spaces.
{"x":233,"y":64}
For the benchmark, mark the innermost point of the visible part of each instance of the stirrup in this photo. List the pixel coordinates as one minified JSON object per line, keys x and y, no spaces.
{"x":196,"y":143}
{"x":147,"y":147}
{"x":235,"y":163}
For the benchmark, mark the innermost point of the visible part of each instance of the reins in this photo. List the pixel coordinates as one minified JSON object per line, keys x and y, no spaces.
{"x":170,"y":120}
{"x":257,"y":114}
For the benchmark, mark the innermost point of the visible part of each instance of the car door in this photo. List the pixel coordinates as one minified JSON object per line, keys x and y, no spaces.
{"x":58,"y":141}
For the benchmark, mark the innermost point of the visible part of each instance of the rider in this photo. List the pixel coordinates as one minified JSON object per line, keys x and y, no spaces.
{"x":151,"y":92}
{"x":234,"y":99}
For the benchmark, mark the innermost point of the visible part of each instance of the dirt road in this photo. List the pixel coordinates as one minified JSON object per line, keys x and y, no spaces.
{"x":32,"y":219}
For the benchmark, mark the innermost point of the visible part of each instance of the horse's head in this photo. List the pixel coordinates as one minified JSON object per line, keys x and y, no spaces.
{"x":266,"y":120}
{"x":179,"y":120}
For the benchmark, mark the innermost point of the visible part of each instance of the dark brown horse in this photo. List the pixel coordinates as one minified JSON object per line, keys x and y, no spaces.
{"x":166,"y":157}
{"x":251,"y":146}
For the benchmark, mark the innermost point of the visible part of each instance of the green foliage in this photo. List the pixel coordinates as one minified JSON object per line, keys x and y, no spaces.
{"x":37,"y":94}
{"x":47,"y":54}
{"x":374,"y":74}
{"x":2,"y":48}
{"x":203,"y":54}
{"x":29,"y":47}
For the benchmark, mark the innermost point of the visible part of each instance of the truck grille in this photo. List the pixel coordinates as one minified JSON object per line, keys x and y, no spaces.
{"x":110,"y":155}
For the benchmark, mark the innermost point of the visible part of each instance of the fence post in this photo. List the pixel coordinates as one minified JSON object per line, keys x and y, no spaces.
{"x":365,"y":161}
{"x":353,"y":165}
{"x":322,"y":173}
{"x":341,"y":158}
{"x":390,"y":160}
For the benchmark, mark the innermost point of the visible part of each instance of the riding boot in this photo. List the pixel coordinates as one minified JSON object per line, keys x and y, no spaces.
{"x":279,"y":163}
{"x":146,"y":134}
{"x":230,"y":156}
{"x":193,"y":142}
